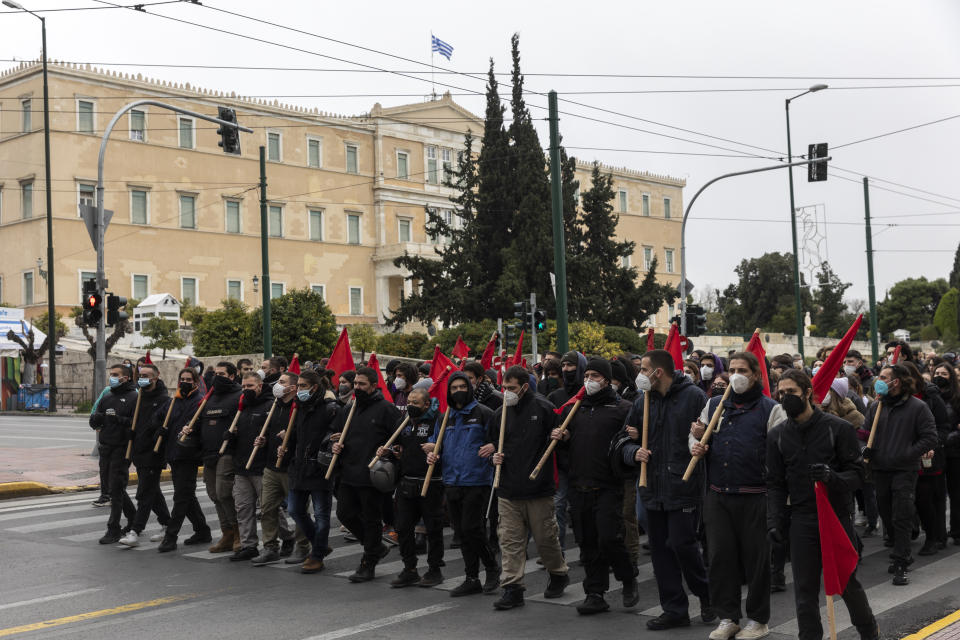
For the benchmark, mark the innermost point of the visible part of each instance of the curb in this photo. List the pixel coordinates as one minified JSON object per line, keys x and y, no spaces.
{"x":934,"y":627}
{"x":29,"y":489}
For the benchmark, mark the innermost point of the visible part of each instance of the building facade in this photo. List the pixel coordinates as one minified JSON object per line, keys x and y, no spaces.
{"x":346,"y":195}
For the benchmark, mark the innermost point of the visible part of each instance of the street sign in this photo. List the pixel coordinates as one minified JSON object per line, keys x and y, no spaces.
{"x":817,"y":171}
{"x":89,"y":214}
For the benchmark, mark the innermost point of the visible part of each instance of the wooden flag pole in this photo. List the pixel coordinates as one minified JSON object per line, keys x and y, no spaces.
{"x":286,"y":436}
{"x":232,"y":429}
{"x":831,"y":618}
{"x":436,"y":452}
{"x":343,"y":435}
{"x":503,"y":430}
{"x":133,"y":427}
{"x":263,"y":433}
{"x":163,"y":428}
{"x":873,"y":427}
{"x":714,"y":421}
{"x":193,"y":420}
{"x":645,"y":437}
{"x":553,"y":443}
{"x":393,"y":438}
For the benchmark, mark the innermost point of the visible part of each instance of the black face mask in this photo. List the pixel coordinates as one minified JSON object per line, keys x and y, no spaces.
{"x":362,"y":396}
{"x":249,"y":395}
{"x":222,"y":383}
{"x":552,"y":384}
{"x":461,"y":398}
{"x":185,"y":388}
{"x":414,"y":412}
{"x":570,"y":377}
{"x":344,"y":389}
{"x":793,"y":405}
{"x":942,"y":383}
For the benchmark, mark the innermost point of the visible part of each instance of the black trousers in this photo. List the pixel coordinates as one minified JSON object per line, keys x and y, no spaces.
{"x":806,"y":566}
{"x":359,"y":510}
{"x":149,"y":498}
{"x":953,"y":488}
{"x":676,"y":557}
{"x":410,"y":508}
{"x":597,"y":516}
{"x":931,"y":505}
{"x":185,"y":503}
{"x":780,"y":552}
{"x":118,"y":474}
{"x":895,"y":499}
{"x":736,"y":527}
{"x":468,"y":507}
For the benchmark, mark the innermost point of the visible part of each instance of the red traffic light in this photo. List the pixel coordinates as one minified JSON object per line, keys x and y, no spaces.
{"x":92,"y":300}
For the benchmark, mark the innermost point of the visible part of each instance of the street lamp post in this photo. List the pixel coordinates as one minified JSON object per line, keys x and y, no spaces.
{"x":793,"y":222}
{"x":51,"y":307}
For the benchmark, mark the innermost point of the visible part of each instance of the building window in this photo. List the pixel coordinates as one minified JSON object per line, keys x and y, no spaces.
{"x":273,"y":146}
{"x":234,"y":289}
{"x":84,"y":276}
{"x":447,"y":165}
{"x":277,"y":289}
{"x":276,"y":221}
{"x":403,"y":165}
{"x":141,"y":287}
{"x":232,"y":208}
{"x":352,"y":162}
{"x":86,"y":195}
{"x":647,"y":258}
{"x":188,"y":290}
{"x":671,"y":311}
{"x":138,"y":207}
{"x":186,"y":127}
{"x":666,"y":208}
{"x":84,"y":116}
{"x":27,"y":288}
{"x":314,"y":153}
{"x":319,"y":289}
{"x":625,"y":261}
{"x":404,"y":231}
{"x":138,"y":125}
{"x":356,"y":301}
{"x":316,"y":224}
{"x":646,"y":205}
{"x":27,"y":116}
{"x":432,"y":165}
{"x":622,"y":199}
{"x":353,"y":228}
{"x":188,"y":212}
{"x":668,"y":255}
{"x":26,"y":200}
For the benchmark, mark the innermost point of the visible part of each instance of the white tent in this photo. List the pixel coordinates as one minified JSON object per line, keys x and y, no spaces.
{"x":12,"y":320}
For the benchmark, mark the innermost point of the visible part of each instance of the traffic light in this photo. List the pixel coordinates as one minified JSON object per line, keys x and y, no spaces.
{"x":229,"y":136}
{"x":92,"y":304}
{"x":114,"y":306}
{"x":511,"y":335}
{"x":522,"y":313}
{"x":540,"y":321}
{"x":817,"y":171}
{"x":696,"y":320}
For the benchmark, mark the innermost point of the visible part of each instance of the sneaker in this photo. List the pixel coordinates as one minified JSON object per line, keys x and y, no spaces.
{"x":406,"y":578}
{"x":364,"y":573}
{"x":900,"y":578}
{"x":468,"y":587}
{"x":725,"y":630}
{"x":169,"y":543}
{"x":668,"y":621}
{"x":267,"y":556}
{"x":431,"y":578}
{"x":159,"y":535}
{"x":631,"y":593}
{"x":298,"y":555}
{"x":102,"y":501}
{"x":558,"y":582}
{"x":390,"y":536}
{"x":245,"y":553}
{"x":593,"y":603}
{"x":860,"y":520}
{"x":111,"y":537}
{"x":753,"y":629}
{"x":349,"y":537}
{"x":199,"y":537}
{"x":130,"y":539}
{"x":511,"y":599}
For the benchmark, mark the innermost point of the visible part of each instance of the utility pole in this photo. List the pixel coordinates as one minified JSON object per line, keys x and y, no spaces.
{"x":871,"y":288}
{"x":265,"y":256}
{"x":533,"y":324}
{"x":559,"y":244}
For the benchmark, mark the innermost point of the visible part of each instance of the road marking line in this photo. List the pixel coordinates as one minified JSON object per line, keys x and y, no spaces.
{"x":83,"y":440}
{"x":58,"y":596}
{"x":931,"y":629}
{"x":90,"y":615}
{"x":383,"y":622}
{"x":531,"y":566}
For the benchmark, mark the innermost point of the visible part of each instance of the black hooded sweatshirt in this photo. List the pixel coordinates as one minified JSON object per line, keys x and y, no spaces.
{"x":373,"y":423}
{"x":526,"y":437}
{"x":312,"y":425}
{"x":593,"y":428}
{"x":114,"y":414}
{"x":149,"y":420}
{"x":216,"y":418}
{"x":249,"y":425}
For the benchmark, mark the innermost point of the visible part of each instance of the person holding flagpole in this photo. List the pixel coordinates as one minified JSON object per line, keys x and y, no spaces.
{"x":812,"y":446}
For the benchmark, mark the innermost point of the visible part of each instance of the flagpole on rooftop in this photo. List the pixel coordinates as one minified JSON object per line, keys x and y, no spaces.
{"x":433,"y":86}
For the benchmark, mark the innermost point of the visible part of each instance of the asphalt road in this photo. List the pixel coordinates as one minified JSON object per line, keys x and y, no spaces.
{"x":54,"y":450}
{"x":46,"y":432}
{"x":57,"y":581}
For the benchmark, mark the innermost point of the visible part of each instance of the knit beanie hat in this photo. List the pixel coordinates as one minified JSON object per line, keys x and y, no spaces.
{"x":601,"y":366}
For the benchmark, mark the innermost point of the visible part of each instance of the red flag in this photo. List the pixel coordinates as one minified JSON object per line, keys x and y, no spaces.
{"x":756,"y":348}
{"x":438,"y":389}
{"x":518,"y":356}
{"x":294,"y":365}
{"x":893,"y":360}
{"x":146,"y":358}
{"x":486,"y":360}
{"x":577,"y":396}
{"x":837,"y":552}
{"x":650,"y":345}
{"x":342,"y":357}
{"x":828,"y":371}
{"x":439,"y":363}
{"x":374,"y":364}
{"x":460,"y":350}
{"x":674,"y":347}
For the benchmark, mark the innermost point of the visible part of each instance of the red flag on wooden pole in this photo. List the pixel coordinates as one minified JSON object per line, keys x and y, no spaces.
{"x":342,"y":357}
{"x":674,"y":347}
{"x":486,"y":360}
{"x":577,"y":396}
{"x":828,"y":371}
{"x":518,"y":356}
{"x":439,"y":363}
{"x":146,"y":358}
{"x":839,"y":557}
{"x":294,"y":365}
{"x":438,"y":389}
{"x":460,"y":350}
{"x":756,"y":348}
{"x":650,"y":344}
{"x":374,"y":364}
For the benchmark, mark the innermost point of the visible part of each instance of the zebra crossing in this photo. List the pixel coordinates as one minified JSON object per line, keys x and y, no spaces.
{"x":70,"y":520}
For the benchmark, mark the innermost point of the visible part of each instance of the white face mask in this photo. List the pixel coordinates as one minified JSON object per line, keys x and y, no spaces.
{"x":643,"y":382}
{"x":706,"y":372}
{"x":615,"y":385}
{"x":510,"y":398}
{"x":688,"y":376}
{"x":279,"y":390}
{"x":400,"y":383}
{"x":739,"y":382}
{"x":592,"y":387}
{"x":798,"y":364}
{"x":261,"y":373}
{"x":849,"y":369}
{"x":814,"y":370}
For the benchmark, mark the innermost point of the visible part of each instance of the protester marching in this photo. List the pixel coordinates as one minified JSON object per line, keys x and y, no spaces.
{"x":732,"y":466}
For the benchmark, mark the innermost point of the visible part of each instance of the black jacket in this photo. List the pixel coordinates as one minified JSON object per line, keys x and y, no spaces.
{"x":738,"y":448}
{"x":941,"y":418}
{"x":413,"y":461}
{"x":593,"y":428}
{"x":526,"y":437}
{"x":669,"y":428}
{"x":311,"y":431}
{"x":279,"y":424}
{"x":249,"y":425}
{"x":152,"y":412}
{"x":216,"y":419}
{"x":905,"y":432}
{"x":183,"y":411}
{"x":114,"y":414}
{"x":373,"y":423}
{"x":793,"y":447}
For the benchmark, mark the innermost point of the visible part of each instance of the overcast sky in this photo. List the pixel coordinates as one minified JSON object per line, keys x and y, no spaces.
{"x":844,"y":44}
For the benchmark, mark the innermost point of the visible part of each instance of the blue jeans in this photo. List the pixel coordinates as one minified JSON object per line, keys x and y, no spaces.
{"x":560,"y":505}
{"x":317,"y":529}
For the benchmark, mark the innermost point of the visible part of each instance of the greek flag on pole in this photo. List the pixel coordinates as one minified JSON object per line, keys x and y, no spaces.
{"x":440,"y":47}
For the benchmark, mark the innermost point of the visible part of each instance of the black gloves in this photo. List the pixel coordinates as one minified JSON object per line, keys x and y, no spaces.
{"x":820,"y":472}
{"x":867,"y":453}
{"x":774,"y":535}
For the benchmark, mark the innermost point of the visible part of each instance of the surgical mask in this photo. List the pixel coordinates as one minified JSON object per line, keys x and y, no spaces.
{"x":510,"y":398}
{"x":303,"y":395}
{"x":688,"y":376}
{"x":400,"y":384}
{"x":706,"y":372}
{"x":114,"y":382}
{"x":261,"y":373}
{"x":592,"y":387}
{"x":344,"y":389}
{"x":793,"y":405}
{"x":880,"y":388}
{"x":279,"y":390}
{"x":143,"y":382}
{"x":615,"y":385}
{"x":814,"y":370}
{"x":849,"y":369}
{"x":643,"y":382}
{"x":739,"y":382}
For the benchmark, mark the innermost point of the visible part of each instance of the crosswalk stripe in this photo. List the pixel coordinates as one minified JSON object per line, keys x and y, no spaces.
{"x":530,"y":566}
{"x":574,"y":592}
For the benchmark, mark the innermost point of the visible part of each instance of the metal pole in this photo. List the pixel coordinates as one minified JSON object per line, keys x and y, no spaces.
{"x":871,"y":288}
{"x":533,"y":324}
{"x":51,"y":306}
{"x":793,"y":231}
{"x":265,"y":256}
{"x":559,"y":244}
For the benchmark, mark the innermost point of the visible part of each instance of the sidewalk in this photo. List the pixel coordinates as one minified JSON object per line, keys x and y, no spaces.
{"x":71,"y":467}
{"x":947,"y":628}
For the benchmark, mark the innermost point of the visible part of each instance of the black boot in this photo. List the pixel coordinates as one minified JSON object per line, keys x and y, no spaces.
{"x":364,"y":573}
{"x":512,"y":598}
{"x":593,"y":603}
{"x":631,"y":593}
{"x":900,"y":575}
{"x":200,"y":537}
{"x":406,"y":578}
{"x":467,"y":587}
{"x":558,"y":582}
{"x":169,"y":543}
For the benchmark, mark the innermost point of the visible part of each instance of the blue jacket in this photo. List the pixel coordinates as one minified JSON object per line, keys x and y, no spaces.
{"x":736,"y":460}
{"x":466,"y":432}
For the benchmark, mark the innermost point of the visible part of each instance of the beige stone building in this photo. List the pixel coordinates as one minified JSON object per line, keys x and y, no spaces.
{"x":346,"y":194}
